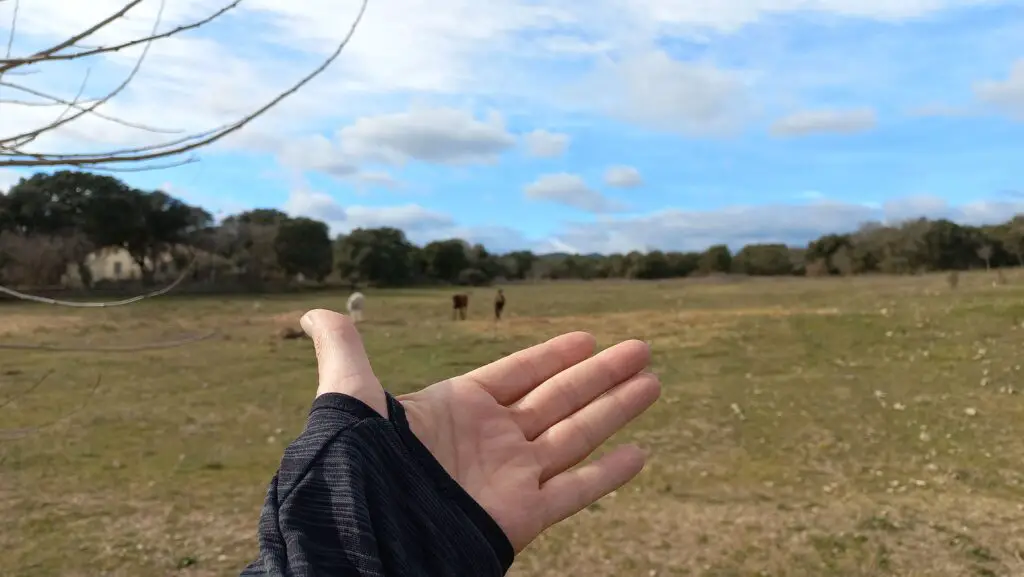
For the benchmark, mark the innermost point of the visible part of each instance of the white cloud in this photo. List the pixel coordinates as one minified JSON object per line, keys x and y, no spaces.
{"x":402,"y":88}
{"x":676,"y":229}
{"x":316,"y":152}
{"x":1006,"y":95}
{"x":447,"y":49}
{"x":623,"y":177}
{"x":569,"y":190}
{"x":672,"y":229}
{"x":9,"y":178}
{"x":544,"y":144}
{"x":321,"y":206}
{"x":433,"y":135}
{"x":730,"y":15}
{"x":807,"y":122}
{"x":420,"y":224}
{"x":688,"y":97}
{"x":410,"y":218}
{"x":436,"y":135}
{"x":312,"y":204}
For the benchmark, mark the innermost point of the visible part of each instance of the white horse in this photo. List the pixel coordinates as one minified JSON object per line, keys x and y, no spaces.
{"x":355,"y":306}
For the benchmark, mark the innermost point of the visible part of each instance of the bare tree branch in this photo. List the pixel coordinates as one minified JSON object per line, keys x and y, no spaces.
{"x":14,"y":29}
{"x":10,"y":37}
{"x":148,"y":167}
{"x":16,"y":142}
{"x":12,"y":152}
{"x":57,"y":101}
{"x":43,"y":54}
{"x":13,"y":62}
{"x":29,"y":102}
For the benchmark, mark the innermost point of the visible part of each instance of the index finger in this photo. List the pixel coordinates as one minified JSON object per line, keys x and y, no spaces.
{"x":510,"y":378}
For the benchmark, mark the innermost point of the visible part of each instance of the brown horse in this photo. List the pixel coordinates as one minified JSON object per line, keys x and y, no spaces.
{"x":460,"y":302}
{"x":499,"y":304}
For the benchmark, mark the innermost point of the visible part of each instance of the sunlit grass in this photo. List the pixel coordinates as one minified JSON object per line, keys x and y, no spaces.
{"x":807,"y":427}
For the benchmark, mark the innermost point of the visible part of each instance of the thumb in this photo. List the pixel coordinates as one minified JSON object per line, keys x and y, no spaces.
{"x":341,"y":359}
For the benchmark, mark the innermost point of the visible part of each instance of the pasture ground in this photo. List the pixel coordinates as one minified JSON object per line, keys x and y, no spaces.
{"x":861,"y":427}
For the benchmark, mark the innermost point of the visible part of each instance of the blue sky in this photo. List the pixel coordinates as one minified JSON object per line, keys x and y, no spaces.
{"x":753,"y":122}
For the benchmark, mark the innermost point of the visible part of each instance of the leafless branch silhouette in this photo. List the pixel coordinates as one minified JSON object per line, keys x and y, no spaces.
{"x":13,"y":151}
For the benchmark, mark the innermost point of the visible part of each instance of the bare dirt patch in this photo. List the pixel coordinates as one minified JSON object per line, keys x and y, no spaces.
{"x":16,"y":324}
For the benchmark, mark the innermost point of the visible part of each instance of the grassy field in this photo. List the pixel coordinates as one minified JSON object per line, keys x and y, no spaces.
{"x":861,"y":427}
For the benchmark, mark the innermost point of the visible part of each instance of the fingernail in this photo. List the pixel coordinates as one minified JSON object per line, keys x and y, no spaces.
{"x":306,"y":323}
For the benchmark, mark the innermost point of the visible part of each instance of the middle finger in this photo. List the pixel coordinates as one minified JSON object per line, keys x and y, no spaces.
{"x":574,"y":388}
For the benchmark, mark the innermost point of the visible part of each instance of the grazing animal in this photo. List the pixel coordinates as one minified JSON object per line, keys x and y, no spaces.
{"x":499,"y":304}
{"x":355,"y":306}
{"x":460,"y":303}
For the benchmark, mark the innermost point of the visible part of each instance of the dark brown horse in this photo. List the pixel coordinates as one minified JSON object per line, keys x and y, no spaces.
{"x":499,"y":304}
{"x":460,"y":303}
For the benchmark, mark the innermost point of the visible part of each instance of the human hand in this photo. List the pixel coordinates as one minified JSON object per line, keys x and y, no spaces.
{"x":512,"y":432}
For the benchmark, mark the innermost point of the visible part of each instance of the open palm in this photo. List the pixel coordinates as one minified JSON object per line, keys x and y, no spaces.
{"x":511,"y":432}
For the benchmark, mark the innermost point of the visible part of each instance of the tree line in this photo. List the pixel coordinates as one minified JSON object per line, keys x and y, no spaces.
{"x":51,"y":223}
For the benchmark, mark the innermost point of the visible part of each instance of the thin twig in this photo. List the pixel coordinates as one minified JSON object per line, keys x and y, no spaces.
{"x":10,"y":35}
{"x":57,"y":101}
{"x":161,"y":166}
{"x":78,"y":96}
{"x":9,"y":62}
{"x":14,"y":30}
{"x":18,"y":102}
{"x":42,"y":54}
{"x":173,"y":148}
{"x":26,"y":138}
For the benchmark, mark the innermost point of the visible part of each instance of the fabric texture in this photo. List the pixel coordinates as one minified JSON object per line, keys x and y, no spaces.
{"x":359,"y":495}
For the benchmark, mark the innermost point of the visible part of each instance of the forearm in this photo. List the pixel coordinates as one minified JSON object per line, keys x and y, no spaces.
{"x":357,"y":494}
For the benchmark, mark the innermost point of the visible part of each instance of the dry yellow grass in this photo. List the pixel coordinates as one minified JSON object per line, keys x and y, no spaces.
{"x":27,"y":324}
{"x":864,"y":427}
